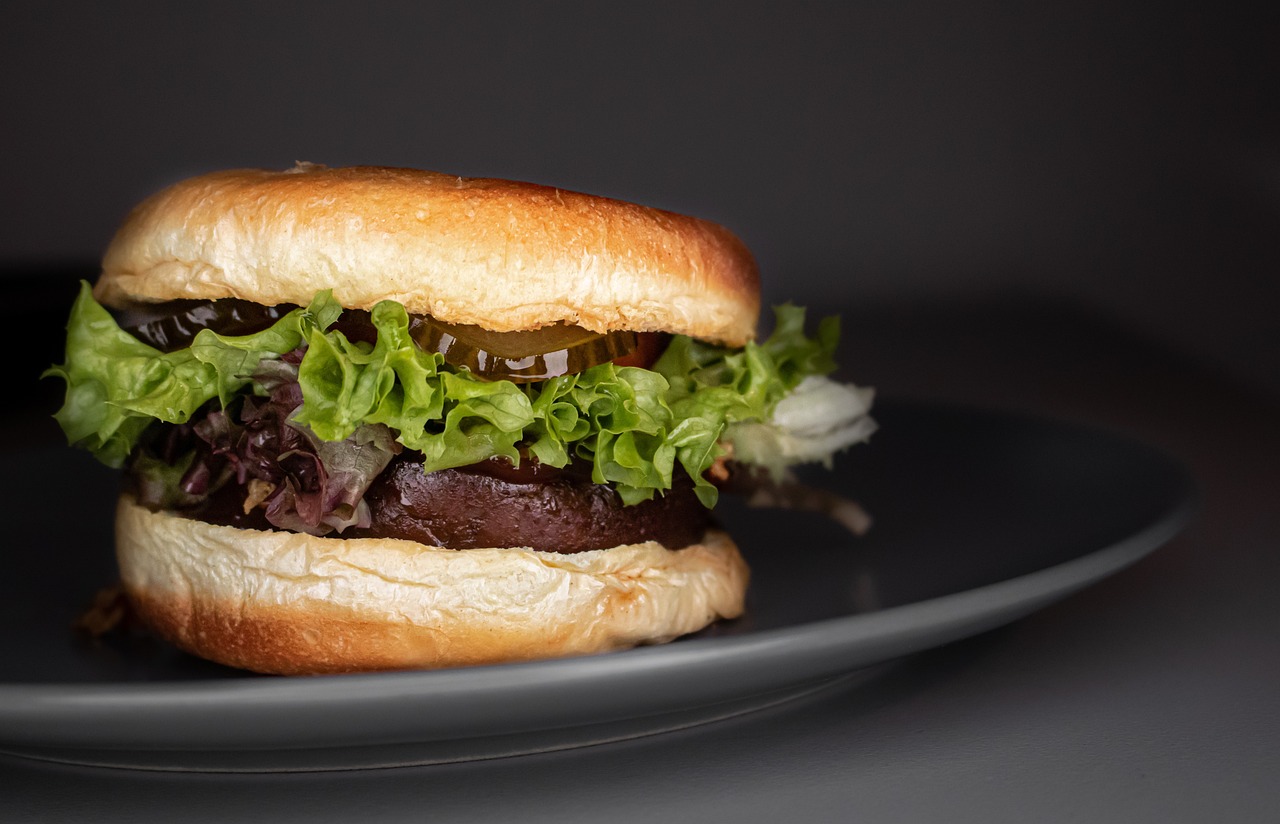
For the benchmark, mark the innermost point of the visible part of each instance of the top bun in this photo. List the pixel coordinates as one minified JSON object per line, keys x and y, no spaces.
{"x":503,"y":255}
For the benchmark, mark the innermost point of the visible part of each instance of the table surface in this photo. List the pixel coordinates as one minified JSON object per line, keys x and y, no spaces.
{"x":1151,"y":696}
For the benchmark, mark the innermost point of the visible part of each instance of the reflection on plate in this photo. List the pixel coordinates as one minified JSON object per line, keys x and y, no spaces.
{"x":980,"y":518}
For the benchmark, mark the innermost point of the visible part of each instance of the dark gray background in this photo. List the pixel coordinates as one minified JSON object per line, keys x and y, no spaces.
{"x":1122,"y":155}
{"x":1064,"y":209}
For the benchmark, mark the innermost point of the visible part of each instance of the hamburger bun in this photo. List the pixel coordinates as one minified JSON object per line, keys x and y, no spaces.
{"x":291,"y":603}
{"x":503,"y":255}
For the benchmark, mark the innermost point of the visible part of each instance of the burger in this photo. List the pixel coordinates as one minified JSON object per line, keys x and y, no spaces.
{"x":373,"y":418}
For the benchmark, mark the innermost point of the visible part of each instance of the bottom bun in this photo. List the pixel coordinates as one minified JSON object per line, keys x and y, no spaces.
{"x":288,"y":603}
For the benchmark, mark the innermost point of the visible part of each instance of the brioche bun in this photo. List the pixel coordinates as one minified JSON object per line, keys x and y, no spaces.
{"x":290,"y":603}
{"x":503,"y":255}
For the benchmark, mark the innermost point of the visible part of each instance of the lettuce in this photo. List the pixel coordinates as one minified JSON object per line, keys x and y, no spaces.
{"x":117,"y":386}
{"x":633,"y":425}
{"x":814,"y":421}
{"x":713,"y":387}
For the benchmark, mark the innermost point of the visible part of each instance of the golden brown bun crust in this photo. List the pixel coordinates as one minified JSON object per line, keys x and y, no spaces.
{"x":287,"y":603}
{"x":500,"y":254}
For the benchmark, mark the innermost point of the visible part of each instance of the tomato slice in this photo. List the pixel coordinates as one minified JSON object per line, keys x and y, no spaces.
{"x":649,"y":347}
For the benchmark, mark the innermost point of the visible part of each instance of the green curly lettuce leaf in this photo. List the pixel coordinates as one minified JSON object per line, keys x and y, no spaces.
{"x":632,"y":425}
{"x":117,"y":386}
{"x":713,"y":387}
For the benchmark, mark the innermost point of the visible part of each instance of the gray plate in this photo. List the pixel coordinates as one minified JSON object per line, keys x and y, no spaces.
{"x":981,"y":517}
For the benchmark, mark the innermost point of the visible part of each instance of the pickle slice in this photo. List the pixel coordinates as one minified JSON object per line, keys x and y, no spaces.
{"x":521,"y":357}
{"x":174,"y":324}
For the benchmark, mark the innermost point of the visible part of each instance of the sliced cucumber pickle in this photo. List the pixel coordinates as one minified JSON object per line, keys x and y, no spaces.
{"x":174,"y":324}
{"x":521,"y":357}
